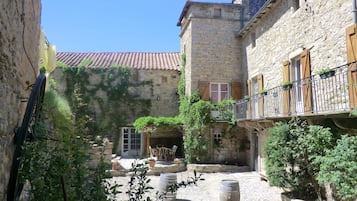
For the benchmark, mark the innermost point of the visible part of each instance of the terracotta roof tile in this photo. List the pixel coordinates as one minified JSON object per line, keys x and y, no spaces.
{"x":137,"y":60}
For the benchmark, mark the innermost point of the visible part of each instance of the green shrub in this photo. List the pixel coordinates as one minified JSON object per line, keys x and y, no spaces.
{"x":291,"y":152}
{"x":339,"y":167}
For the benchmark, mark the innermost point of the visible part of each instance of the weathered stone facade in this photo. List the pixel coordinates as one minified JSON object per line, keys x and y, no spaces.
{"x":207,"y":39}
{"x":268,"y":34}
{"x":285,"y":31}
{"x":160,"y":93}
{"x":19,"y":59}
{"x":282,"y":34}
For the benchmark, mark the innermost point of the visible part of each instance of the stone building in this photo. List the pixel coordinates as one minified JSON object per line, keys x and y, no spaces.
{"x":153,"y":90}
{"x":213,"y":68}
{"x":19,"y":59}
{"x":262,"y":44}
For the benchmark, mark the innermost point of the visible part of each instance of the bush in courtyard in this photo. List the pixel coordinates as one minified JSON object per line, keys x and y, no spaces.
{"x":292,"y":150}
{"x":339,"y":167}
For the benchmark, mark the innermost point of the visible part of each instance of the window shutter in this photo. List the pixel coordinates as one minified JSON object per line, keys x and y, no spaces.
{"x":236,"y":90}
{"x":351,"y":42}
{"x":203,"y":88}
{"x":249,"y":91}
{"x":306,"y":83}
{"x":261,"y":99}
{"x":286,"y":93}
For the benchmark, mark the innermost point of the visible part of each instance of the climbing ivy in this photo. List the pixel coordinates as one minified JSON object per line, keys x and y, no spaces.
{"x":110,"y":96}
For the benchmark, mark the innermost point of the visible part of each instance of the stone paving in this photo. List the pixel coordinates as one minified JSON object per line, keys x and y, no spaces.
{"x":252,"y":188}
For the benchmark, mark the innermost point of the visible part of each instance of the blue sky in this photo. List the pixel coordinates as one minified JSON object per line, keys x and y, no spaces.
{"x":113,"y":25}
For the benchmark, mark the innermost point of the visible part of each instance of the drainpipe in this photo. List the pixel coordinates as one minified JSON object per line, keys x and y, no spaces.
{"x":354,"y":11}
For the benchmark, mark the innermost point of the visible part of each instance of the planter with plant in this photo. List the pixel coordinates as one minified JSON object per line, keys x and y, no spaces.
{"x":151,"y":162}
{"x":326,"y":73}
{"x":246,"y":98}
{"x":263,"y":92}
{"x":287,"y":85}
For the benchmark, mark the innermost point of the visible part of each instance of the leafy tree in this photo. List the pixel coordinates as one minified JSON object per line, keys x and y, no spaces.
{"x":292,"y":150}
{"x":339,"y":167}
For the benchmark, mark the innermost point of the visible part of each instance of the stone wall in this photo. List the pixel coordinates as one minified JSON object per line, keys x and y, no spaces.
{"x":282,"y":34}
{"x":19,"y":56}
{"x":161,"y":92}
{"x":212,"y":51}
{"x":284,"y":31}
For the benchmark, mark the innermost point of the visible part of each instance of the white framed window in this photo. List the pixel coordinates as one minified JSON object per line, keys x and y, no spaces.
{"x":219,"y":92}
{"x":296,"y":76}
{"x":131,"y":142}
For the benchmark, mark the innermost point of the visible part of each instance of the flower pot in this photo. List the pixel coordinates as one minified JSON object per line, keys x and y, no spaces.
{"x":327,"y":74}
{"x":264,"y":93}
{"x":287,"y":86}
{"x":151,"y":163}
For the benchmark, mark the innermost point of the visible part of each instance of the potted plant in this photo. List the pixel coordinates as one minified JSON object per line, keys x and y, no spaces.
{"x":246,"y":97}
{"x":326,"y":73}
{"x":151,"y":162}
{"x":287,"y":85}
{"x":263,"y":92}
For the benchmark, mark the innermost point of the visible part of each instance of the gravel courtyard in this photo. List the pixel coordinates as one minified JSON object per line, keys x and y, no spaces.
{"x":251,"y":187}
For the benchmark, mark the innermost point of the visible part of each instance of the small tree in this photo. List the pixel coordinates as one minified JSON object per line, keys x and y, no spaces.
{"x":339,"y":167}
{"x":291,"y":152}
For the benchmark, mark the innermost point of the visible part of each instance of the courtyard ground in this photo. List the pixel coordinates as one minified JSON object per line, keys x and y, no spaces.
{"x":252,"y":188}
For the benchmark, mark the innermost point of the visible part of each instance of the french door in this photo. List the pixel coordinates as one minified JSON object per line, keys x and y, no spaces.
{"x":131,"y":142}
{"x":297,"y":94}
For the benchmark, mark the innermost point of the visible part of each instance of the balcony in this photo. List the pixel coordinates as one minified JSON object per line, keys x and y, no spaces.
{"x":309,"y":97}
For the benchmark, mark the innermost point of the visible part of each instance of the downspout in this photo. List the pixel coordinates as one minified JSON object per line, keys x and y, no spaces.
{"x":354,"y":11}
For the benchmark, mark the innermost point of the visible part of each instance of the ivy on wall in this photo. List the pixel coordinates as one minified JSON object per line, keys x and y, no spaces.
{"x":195,"y":118}
{"x":112,"y":98}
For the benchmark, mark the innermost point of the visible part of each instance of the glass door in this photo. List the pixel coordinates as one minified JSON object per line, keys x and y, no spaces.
{"x":131,"y":142}
{"x":297,"y":96}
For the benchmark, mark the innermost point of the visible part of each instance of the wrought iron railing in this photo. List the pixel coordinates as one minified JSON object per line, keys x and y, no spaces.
{"x":315,"y":95}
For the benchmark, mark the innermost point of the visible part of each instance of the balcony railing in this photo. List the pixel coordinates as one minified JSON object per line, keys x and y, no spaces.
{"x":311,"y":96}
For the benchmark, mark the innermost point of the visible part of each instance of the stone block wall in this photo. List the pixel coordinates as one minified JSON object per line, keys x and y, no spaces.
{"x":212,"y":51}
{"x":284,"y":31}
{"x":19,"y":58}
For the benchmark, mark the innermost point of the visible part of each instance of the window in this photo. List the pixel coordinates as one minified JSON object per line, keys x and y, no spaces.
{"x":217,"y":138}
{"x":217,"y":12}
{"x":219,"y":92}
{"x":131,"y":142}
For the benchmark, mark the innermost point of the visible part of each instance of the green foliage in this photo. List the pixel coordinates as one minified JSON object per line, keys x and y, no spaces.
{"x":159,"y":122}
{"x":291,"y":152}
{"x":196,"y":147}
{"x":339,"y":167}
{"x":112,"y":93}
{"x":139,"y":184}
{"x":60,"y":152}
{"x":225,"y":110}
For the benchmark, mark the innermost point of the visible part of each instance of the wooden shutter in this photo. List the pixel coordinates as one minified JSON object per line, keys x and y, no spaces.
{"x":203,"y":88}
{"x":249,"y":91}
{"x":351,"y":42}
{"x":306,"y":83}
{"x":261,"y":99}
{"x":286,"y":93}
{"x":236,"y":90}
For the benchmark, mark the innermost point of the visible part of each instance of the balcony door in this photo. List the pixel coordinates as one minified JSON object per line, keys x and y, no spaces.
{"x":297,"y":91}
{"x":255,"y":98}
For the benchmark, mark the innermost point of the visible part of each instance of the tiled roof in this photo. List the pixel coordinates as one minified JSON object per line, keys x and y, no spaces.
{"x":137,"y":60}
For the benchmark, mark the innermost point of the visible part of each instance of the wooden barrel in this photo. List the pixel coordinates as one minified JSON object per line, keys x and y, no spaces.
{"x":166,"y":179}
{"x":229,"y":190}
